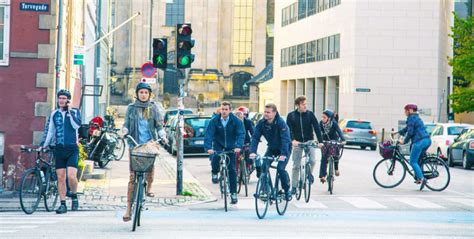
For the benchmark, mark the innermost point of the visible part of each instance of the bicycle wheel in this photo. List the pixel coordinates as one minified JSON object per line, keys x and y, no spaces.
{"x":239,"y":175}
{"x":225,"y":188}
{"x":437,"y":173}
{"x":244,"y":176}
{"x":307,"y":184}
{"x":280,"y":200}
{"x":30,"y":190}
{"x":51,"y":195}
{"x":389,"y":173}
{"x":138,"y":201}
{"x":330,"y":177}
{"x":119,"y":148}
{"x":299,"y":187}
{"x":262,"y":196}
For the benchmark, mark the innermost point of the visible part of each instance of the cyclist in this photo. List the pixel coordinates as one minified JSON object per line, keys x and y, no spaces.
{"x":415,"y":132}
{"x":331,"y":131}
{"x":225,"y":132}
{"x":302,"y":124}
{"x":61,"y":130}
{"x":249,"y":129}
{"x":277,"y":134}
{"x":144,"y":122}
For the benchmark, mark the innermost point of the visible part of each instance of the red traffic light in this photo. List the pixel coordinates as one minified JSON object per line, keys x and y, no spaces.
{"x":185,"y":30}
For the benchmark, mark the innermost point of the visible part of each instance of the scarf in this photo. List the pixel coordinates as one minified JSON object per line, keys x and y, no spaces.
{"x":143,"y":109}
{"x":327,"y":127}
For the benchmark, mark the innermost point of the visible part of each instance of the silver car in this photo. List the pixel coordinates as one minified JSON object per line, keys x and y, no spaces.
{"x":359,"y":133}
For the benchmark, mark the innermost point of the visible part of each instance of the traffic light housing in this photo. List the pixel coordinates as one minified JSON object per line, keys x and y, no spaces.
{"x":184,"y":43}
{"x":160,"y":53}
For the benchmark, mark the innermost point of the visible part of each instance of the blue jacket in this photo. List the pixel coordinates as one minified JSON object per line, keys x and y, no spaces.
{"x":276,"y":133}
{"x":61,"y":128}
{"x":218,"y":137}
{"x":334,"y":133}
{"x":415,"y":129}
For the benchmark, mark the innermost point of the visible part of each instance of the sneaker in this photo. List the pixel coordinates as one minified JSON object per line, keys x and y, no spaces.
{"x":215,"y":179}
{"x":288,"y":196}
{"x":311,"y":178}
{"x":233,"y":198}
{"x":338,"y":173}
{"x":322,"y":179}
{"x":423,"y":183}
{"x":75,"y":205}
{"x":62,"y":209}
{"x":293,"y":190}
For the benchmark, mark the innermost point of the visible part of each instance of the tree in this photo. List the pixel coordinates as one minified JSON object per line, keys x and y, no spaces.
{"x":463,"y":64}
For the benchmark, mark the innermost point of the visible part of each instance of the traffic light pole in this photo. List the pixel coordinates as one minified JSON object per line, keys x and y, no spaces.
{"x":179,"y":161}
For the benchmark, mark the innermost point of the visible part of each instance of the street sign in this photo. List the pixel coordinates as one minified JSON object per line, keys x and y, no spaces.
{"x":149,"y":80}
{"x":79,"y":52}
{"x":148,"y":70}
{"x":362,"y":90}
{"x":34,"y":7}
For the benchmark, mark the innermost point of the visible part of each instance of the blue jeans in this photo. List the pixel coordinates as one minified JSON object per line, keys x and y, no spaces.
{"x":215,"y":160}
{"x":281,"y":169}
{"x":418,"y":148}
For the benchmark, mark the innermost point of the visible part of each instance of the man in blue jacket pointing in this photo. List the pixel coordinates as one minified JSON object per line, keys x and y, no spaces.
{"x":225,"y":132}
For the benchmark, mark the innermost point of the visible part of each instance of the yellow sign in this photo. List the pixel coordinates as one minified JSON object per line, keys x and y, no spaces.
{"x":203,"y":77}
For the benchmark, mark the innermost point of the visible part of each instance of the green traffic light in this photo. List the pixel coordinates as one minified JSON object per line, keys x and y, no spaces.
{"x":184,"y":60}
{"x":159,"y":59}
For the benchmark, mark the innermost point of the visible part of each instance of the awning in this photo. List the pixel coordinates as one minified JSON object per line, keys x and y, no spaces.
{"x":265,"y":75}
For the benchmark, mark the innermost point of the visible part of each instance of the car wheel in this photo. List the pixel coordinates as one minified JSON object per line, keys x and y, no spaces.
{"x":465,"y":164}
{"x":363,"y":147}
{"x":373,"y":148}
{"x":450,"y":159}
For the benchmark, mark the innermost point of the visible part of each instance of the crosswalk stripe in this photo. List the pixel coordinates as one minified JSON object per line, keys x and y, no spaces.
{"x":418,"y":203}
{"x":7,"y":231}
{"x":29,"y":222}
{"x":22,"y":227}
{"x":467,"y":202}
{"x":310,"y":205}
{"x":363,"y":203}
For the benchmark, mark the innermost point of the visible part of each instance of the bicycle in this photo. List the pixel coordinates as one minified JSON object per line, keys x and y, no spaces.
{"x":141,"y":164}
{"x":267,"y":192}
{"x":305,"y":181}
{"x":38,"y":181}
{"x":243,"y":171}
{"x":224,"y":175}
{"x":333,"y":149}
{"x":395,"y":166}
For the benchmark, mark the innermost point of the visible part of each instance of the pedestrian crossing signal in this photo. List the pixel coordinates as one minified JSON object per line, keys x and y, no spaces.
{"x":160,"y":53}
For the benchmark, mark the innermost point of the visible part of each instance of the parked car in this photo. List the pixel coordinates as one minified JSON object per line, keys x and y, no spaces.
{"x":443,"y":136}
{"x":168,"y":124}
{"x":255,"y":117}
{"x":462,"y":150}
{"x":359,"y":133}
{"x":173,"y":111}
{"x":193,"y":139}
{"x":430,"y":127}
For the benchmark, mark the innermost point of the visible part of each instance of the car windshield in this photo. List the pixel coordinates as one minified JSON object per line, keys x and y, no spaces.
{"x":430,"y":128}
{"x":195,"y":127}
{"x":468,"y":135}
{"x":359,"y":125}
{"x":174,"y":112}
{"x":455,"y":130}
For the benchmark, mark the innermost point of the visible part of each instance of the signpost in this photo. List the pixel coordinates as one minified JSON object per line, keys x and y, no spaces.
{"x":79,"y":52}
{"x":148,"y":71}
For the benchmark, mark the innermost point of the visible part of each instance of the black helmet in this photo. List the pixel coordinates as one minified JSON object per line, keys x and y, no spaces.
{"x":65,"y":93}
{"x":143,"y":85}
{"x":329,"y":113}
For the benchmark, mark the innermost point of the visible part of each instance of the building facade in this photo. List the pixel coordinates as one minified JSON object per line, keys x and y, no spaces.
{"x":363,"y":59}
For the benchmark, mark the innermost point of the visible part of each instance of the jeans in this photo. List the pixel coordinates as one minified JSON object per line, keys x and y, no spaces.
{"x":284,"y":177}
{"x":324,"y":165}
{"x":215,"y":163}
{"x":418,"y":148}
{"x":297,"y":153}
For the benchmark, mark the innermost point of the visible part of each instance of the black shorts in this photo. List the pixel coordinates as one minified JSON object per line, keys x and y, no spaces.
{"x":66,"y":156}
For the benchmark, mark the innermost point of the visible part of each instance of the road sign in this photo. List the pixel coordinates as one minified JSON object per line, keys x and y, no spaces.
{"x":79,"y":52}
{"x":149,"y":80}
{"x":362,"y":90}
{"x":148,"y":70}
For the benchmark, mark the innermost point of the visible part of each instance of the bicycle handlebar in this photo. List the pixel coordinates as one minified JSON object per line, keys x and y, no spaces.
{"x":312,"y":143}
{"x":24,"y":148}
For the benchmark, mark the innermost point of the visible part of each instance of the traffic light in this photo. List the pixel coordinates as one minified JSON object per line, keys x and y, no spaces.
{"x":184,"y":43}
{"x":160,"y":53}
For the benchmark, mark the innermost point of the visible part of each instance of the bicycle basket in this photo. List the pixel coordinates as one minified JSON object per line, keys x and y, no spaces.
{"x":386,"y":150}
{"x":331,"y":150}
{"x":142,"y":162}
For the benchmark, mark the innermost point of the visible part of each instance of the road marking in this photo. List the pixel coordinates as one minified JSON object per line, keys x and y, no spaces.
{"x":311,"y":204}
{"x":22,"y":227}
{"x":418,"y":203}
{"x":7,"y":231}
{"x":467,"y":202}
{"x":364,"y":203}
{"x":29,"y":222}
{"x":246,"y":203}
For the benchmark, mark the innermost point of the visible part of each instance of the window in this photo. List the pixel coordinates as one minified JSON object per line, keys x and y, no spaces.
{"x":319,"y":49}
{"x":4,"y":32}
{"x":302,"y":9}
{"x":331,"y":47}
{"x":310,"y":51}
{"x":312,"y":7}
{"x":337,"y":45}
{"x":455,"y":130}
{"x":242,"y":32}
{"x":325,"y":49}
{"x":301,"y":53}
{"x":321,"y":5}
{"x":174,"y":13}
{"x":293,"y":55}
{"x":359,"y":125}
{"x":285,"y":16}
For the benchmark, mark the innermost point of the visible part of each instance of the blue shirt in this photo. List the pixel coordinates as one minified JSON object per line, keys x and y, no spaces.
{"x":144,"y":134}
{"x":224,"y":121}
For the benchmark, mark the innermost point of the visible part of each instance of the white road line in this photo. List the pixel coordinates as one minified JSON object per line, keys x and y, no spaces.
{"x":28,"y":222}
{"x":22,"y":227}
{"x":467,"y":202}
{"x":419,"y":203}
{"x":7,"y":231}
{"x":363,"y":203}
{"x":310,"y":205}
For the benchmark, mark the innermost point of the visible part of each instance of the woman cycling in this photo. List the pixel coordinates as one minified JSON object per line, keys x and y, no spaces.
{"x":330,"y":131}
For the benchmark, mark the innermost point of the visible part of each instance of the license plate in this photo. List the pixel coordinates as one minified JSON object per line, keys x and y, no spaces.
{"x":199,"y":142}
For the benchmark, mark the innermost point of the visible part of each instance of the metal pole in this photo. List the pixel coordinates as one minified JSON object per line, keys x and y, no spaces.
{"x":151,"y":29}
{"x":58,"y":47}
{"x":97,"y":56}
{"x":179,"y":161}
